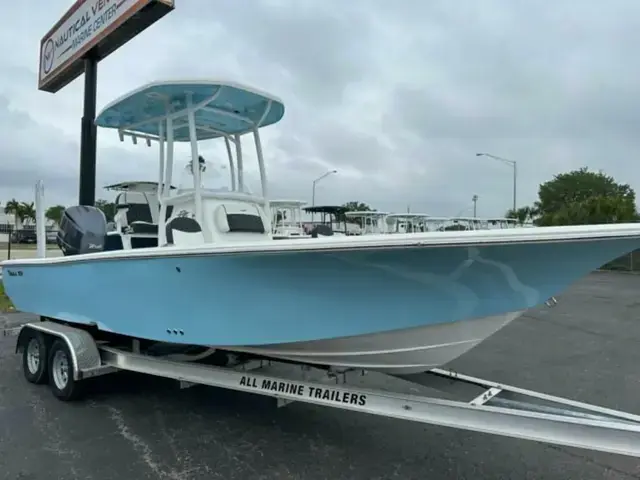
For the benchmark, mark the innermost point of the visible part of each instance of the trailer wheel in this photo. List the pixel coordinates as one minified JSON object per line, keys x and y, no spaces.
{"x":34,"y":357}
{"x":61,"y":372}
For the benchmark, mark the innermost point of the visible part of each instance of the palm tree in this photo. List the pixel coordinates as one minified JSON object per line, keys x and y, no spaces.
{"x":524,"y":214}
{"x":27,"y":212}
{"x":12,"y":207}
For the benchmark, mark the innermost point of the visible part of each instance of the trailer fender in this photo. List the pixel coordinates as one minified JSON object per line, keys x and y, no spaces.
{"x":85,"y":355}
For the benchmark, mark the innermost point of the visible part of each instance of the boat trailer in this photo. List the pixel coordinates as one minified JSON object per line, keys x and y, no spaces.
{"x":64,"y":357}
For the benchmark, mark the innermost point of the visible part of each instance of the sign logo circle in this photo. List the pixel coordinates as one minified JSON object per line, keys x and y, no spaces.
{"x":47,"y":56}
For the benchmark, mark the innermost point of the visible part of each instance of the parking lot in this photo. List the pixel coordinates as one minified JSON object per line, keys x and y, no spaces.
{"x":133,"y":427}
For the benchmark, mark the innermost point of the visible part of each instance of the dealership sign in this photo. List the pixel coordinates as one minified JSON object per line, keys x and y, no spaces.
{"x":88,"y":25}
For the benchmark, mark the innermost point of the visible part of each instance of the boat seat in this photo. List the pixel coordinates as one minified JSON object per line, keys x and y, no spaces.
{"x":139,"y":212}
{"x":235,"y":221}
{"x":145,"y":228}
{"x":245,"y":222}
{"x":184,"y":231}
{"x":139,"y":219}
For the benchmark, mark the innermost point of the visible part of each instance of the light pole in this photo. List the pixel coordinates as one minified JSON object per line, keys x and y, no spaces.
{"x":474,"y":199}
{"x":514,"y":164}
{"x":313,"y":191}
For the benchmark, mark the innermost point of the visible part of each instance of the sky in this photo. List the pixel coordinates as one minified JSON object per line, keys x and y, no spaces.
{"x":398,"y":97}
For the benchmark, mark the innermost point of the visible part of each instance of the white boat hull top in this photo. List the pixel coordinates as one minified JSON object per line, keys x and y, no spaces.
{"x":406,"y":351}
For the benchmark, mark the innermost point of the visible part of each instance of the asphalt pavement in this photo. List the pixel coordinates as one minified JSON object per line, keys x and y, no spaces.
{"x":136,"y":427}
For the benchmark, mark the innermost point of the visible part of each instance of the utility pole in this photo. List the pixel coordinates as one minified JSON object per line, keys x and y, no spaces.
{"x":313,"y":190}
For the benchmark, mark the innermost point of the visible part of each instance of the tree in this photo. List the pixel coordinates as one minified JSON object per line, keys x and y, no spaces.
{"x":54,"y":213}
{"x":12,"y":207}
{"x":26,"y":212}
{"x":583,"y":197}
{"x":595,"y":210}
{"x":108,"y":208}
{"x":523,"y":214}
{"x":357,"y":207}
{"x":354,"y":207}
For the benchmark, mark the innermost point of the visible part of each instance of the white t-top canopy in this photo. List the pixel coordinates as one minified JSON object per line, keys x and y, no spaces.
{"x":221,"y":108}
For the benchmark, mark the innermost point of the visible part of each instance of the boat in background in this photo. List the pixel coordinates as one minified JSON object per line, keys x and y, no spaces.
{"x":480,"y":223}
{"x":409,"y":223}
{"x":369,"y":222}
{"x":332,"y":221}
{"x":398,"y":303}
{"x":373,"y":222}
{"x":287,"y":219}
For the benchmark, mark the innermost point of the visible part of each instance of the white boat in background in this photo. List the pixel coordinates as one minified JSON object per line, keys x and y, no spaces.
{"x":480,"y":223}
{"x":332,"y":221}
{"x":443,"y":224}
{"x":287,"y":219}
{"x":409,"y":222}
{"x":369,"y":222}
{"x":393,"y":223}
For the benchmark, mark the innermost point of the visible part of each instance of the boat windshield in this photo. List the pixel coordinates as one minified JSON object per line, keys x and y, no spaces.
{"x":214,"y":176}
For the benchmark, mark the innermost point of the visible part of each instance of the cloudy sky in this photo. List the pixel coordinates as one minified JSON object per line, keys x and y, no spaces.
{"x":397,"y":96}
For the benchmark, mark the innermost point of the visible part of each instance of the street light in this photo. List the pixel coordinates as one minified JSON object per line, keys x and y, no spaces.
{"x":313,"y":192}
{"x":515,"y":171}
{"x":474,"y":199}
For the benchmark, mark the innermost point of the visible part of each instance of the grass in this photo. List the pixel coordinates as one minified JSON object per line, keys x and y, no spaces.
{"x":5,"y":303}
{"x":4,"y":246}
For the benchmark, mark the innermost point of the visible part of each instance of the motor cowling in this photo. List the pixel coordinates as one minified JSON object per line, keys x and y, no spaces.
{"x":83,"y":229}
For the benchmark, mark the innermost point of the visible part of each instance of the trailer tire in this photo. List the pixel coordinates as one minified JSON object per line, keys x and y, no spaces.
{"x":35,"y":357}
{"x":61,"y":372}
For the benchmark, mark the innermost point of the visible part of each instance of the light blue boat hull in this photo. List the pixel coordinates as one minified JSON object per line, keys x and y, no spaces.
{"x":245,"y":299}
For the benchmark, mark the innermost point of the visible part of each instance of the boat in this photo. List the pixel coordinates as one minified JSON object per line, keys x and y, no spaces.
{"x":287,"y":219}
{"x":332,"y":221}
{"x":412,"y":223}
{"x":420,"y":223}
{"x":500,"y":222}
{"x":370,"y":222}
{"x":479,"y":223}
{"x":401,"y":303}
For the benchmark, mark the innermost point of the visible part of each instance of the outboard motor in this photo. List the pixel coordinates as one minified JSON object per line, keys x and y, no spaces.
{"x":322,"y":230}
{"x":83,"y":229}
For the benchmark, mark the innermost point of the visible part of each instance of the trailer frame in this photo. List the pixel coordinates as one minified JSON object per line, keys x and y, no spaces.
{"x":72,"y":355}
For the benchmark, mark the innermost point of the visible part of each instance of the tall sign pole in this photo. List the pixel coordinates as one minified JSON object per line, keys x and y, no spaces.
{"x":88,"y":32}
{"x":88,"y":133}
